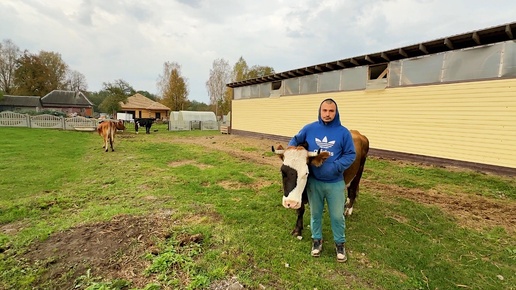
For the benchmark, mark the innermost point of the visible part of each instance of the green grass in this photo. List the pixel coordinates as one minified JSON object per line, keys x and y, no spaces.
{"x":53,"y":180}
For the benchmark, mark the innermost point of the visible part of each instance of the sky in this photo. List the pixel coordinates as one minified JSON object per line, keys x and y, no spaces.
{"x":108,"y":40}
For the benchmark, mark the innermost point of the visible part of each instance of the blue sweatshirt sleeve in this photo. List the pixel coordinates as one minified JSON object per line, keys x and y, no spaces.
{"x":299,"y":138}
{"x":348,"y":153}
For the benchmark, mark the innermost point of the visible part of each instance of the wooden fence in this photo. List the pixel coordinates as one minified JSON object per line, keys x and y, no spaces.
{"x":13,"y":119}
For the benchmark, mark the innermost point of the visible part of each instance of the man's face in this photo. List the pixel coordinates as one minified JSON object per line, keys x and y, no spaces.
{"x":328,"y":111}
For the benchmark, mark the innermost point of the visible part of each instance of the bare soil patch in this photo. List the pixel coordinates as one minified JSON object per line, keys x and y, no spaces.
{"x":111,"y":249}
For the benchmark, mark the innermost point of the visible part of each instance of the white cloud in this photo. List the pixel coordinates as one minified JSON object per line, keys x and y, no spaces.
{"x":130,"y":40}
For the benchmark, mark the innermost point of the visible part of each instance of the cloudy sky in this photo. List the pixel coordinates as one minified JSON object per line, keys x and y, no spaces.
{"x":107,"y":40}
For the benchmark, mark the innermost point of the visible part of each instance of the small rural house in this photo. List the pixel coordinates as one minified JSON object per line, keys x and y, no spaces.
{"x":68,"y":102}
{"x":448,"y":101}
{"x":142,"y":107}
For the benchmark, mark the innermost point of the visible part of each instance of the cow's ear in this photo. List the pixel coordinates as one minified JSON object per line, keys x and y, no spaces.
{"x":319,"y":159}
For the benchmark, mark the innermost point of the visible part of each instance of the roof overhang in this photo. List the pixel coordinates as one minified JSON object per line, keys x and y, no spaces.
{"x":466,"y":40}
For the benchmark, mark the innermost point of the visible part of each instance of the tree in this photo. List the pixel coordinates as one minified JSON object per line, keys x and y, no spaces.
{"x":173,"y":87}
{"x":258,"y":71}
{"x":117,"y":92}
{"x":148,"y":95}
{"x":57,"y":69}
{"x":30,"y":75}
{"x":220,"y":75}
{"x":197,"y":106}
{"x":38,"y":75}
{"x":76,"y":81}
{"x":9,"y":53}
{"x":240,"y":70}
{"x":97,"y":98}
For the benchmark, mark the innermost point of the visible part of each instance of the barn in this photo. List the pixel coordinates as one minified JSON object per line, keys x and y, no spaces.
{"x":449,"y":101}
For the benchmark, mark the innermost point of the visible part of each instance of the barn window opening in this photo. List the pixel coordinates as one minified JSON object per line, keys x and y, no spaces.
{"x":275,"y":85}
{"x":377,"y":77}
{"x":378,"y":71}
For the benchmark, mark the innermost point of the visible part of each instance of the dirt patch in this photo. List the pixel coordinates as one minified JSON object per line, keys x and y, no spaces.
{"x":471,"y":211}
{"x":110,"y":249}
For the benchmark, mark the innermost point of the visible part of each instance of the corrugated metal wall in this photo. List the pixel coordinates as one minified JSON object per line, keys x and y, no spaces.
{"x":471,"y":121}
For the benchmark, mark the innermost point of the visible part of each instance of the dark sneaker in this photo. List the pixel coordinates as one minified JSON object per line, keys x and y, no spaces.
{"x":341,"y":253}
{"x":316,"y":248}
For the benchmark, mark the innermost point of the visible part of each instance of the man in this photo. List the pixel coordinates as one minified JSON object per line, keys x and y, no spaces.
{"x":327,"y":181}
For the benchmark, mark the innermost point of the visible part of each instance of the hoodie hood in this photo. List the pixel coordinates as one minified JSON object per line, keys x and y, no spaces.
{"x":336,"y":120}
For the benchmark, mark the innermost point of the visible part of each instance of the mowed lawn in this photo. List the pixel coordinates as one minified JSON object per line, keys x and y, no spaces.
{"x":53,"y":182}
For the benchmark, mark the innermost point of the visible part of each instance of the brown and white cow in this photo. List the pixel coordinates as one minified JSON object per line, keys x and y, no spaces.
{"x":107,"y":130}
{"x":294,"y":171}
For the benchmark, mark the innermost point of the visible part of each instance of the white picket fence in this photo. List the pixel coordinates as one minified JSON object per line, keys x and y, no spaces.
{"x":13,"y":119}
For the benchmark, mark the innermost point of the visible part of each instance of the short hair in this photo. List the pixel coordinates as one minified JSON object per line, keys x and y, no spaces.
{"x":329,"y":101}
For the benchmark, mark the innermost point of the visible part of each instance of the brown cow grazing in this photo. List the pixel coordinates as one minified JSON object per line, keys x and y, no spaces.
{"x":294,"y":171}
{"x":107,"y":130}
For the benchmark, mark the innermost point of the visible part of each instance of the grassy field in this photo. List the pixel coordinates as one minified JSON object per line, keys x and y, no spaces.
{"x":159,"y":213}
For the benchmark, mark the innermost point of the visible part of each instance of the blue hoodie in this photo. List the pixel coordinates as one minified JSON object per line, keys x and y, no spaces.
{"x":331,"y":137}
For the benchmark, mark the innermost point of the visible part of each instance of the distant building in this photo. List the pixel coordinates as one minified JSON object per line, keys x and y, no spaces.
{"x":69,"y":102}
{"x":21,"y":104}
{"x":142,"y":107}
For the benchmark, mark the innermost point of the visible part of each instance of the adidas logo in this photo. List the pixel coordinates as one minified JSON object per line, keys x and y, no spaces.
{"x":324,"y":143}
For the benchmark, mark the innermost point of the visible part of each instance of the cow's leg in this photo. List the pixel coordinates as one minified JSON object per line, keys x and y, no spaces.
{"x":147,"y":129}
{"x":298,"y":229}
{"x":106,"y":143}
{"x":111,"y":144}
{"x":353,"y":190}
{"x":112,"y":138}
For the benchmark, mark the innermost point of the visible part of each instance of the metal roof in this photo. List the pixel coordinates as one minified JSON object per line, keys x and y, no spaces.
{"x":66,"y":98}
{"x":21,"y":101}
{"x":470,"y":39}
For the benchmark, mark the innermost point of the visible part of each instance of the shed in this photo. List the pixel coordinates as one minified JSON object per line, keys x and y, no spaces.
{"x":447,"y":101}
{"x":20,"y":103}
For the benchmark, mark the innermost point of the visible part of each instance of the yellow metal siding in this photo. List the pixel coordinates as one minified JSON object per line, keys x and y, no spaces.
{"x":471,"y":121}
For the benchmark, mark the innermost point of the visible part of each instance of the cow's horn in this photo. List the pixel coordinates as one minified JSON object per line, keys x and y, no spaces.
{"x":278,"y":151}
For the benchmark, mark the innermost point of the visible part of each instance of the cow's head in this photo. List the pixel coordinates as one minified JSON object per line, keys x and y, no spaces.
{"x":120,"y":125}
{"x":294,"y":171}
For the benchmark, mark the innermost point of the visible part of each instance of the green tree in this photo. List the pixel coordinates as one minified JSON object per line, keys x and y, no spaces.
{"x":148,"y":95}
{"x":116,"y":92}
{"x":258,"y":71}
{"x":173,"y":87}
{"x":240,"y":70}
{"x":197,"y":106}
{"x":97,"y":98}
